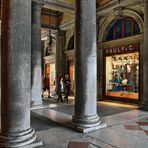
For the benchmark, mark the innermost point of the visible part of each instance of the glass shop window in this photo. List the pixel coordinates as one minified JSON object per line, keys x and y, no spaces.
{"x":123,"y":28}
{"x":122,"y":75}
{"x":110,"y":35}
{"x":128,"y":27}
{"x":118,"y":29}
{"x":136,"y":28}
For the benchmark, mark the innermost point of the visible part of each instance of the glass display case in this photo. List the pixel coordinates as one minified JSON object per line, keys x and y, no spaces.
{"x":122,"y":75}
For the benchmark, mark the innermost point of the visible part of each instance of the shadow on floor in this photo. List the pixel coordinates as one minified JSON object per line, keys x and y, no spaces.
{"x":39,"y":123}
{"x":103,"y":110}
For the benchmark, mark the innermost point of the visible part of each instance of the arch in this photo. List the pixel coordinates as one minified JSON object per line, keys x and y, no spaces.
{"x":70,"y":43}
{"x":119,"y":13}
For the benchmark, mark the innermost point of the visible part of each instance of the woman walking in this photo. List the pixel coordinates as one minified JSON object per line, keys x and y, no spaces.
{"x":60,"y":89}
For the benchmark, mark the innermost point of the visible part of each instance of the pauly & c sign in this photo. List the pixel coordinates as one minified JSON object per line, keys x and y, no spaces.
{"x":122,"y":49}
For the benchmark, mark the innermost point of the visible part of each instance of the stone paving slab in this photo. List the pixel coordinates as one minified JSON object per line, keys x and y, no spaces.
{"x":120,"y":138}
{"x":51,"y":138}
{"x":113,"y":136}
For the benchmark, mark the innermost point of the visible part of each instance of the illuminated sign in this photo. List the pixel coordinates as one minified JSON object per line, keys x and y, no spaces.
{"x":121,"y":49}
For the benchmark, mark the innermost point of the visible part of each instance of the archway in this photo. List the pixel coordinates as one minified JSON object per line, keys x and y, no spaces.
{"x":120,"y":41}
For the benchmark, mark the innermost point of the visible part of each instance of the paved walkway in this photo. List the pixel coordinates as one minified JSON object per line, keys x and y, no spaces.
{"x":128,"y":129}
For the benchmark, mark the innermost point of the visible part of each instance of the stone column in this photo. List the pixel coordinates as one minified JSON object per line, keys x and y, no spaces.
{"x":16,"y":74}
{"x":145,"y":58}
{"x":100,"y":74}
{"x":36,"y":75}
{"x":59,"y":55}
{"x":0,"y":70}
{"x":99,"y":66}
{"x":85,"y":65}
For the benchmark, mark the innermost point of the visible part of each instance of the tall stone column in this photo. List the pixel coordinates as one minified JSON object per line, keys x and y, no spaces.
{"x":16,"y":74}
{"x":145,"y":58}
{"x":99,"y":66}
{"x":36,"y":75}
{"x":59,"y":55}
{"x":85,"y":65}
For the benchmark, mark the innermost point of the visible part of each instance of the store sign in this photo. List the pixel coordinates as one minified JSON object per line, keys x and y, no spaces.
{"x":121,"y":49}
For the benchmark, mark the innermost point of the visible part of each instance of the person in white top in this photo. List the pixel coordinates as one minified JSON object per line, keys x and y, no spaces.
{"x":60,"y":89}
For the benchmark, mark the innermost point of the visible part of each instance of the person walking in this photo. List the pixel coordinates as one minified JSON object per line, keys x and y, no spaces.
{"x":46,"y":85}
{"x":67,"y":86}
{"x":60,"y":89}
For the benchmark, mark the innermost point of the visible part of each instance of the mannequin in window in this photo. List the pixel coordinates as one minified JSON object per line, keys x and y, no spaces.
{"x":117,"y":81}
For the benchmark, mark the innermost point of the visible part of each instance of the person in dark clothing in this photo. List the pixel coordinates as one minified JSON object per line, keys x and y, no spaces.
{"x":60,"y":89}
{"x":67,"y":86}
{"x":46,"y":85}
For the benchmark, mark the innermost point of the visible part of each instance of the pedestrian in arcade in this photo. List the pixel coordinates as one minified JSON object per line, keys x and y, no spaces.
{"x":67,"y":86}
{"x":60,"y":89}
{"x":46,"y":85}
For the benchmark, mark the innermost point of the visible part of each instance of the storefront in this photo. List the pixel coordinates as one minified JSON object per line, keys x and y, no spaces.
{"x":49,"y":68}
{"x":120,"y":50}
{"x":121,"y":73}
{"x":70,"y":69}
{"x":71,"y":74}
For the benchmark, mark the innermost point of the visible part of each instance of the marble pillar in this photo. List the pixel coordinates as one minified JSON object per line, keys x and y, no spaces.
{"x":36,"y":75}
{"x":59,"y":55}
{"x":99,"y":74}
{"x":16,"y":74}
{"x":145,"y":58}
{"x":85,"y":114}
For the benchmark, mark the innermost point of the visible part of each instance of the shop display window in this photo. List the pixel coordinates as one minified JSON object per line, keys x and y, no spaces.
{"x":122,"y":75}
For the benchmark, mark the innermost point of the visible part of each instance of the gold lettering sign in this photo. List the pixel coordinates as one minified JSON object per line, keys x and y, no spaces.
{"x":121,"y":49}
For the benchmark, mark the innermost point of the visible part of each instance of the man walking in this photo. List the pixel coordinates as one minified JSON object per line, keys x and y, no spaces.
{"x":46,"y":85}
{"x":67,"y":86}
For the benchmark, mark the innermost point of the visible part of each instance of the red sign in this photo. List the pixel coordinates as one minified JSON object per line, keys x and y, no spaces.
{"x":121,"y":49}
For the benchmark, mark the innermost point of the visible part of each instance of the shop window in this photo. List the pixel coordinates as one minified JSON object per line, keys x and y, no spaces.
{"x":128,"y":27}
{"x":110,"y":35}
{"x":123,"y":28}
{"x":137,"y":29}
{"x":122,"y":75}
{"x":118,"y":29}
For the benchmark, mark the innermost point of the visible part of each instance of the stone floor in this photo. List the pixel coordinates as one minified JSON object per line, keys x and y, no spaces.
{"x":126,"y":128}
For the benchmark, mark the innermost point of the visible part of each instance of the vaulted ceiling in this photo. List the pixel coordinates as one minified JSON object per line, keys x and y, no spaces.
{"x":58,"y":12}
{"x":63,"y":11}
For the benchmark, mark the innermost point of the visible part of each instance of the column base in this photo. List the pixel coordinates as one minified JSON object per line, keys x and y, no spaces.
{"x":144,"y":107}
{"x":17,"y":139}
{"x":88,"y":121}
{"x":87,"y":124}
{"x":36,"y":143}
{"x":36,"y":105}
{"x":86,"y":129}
